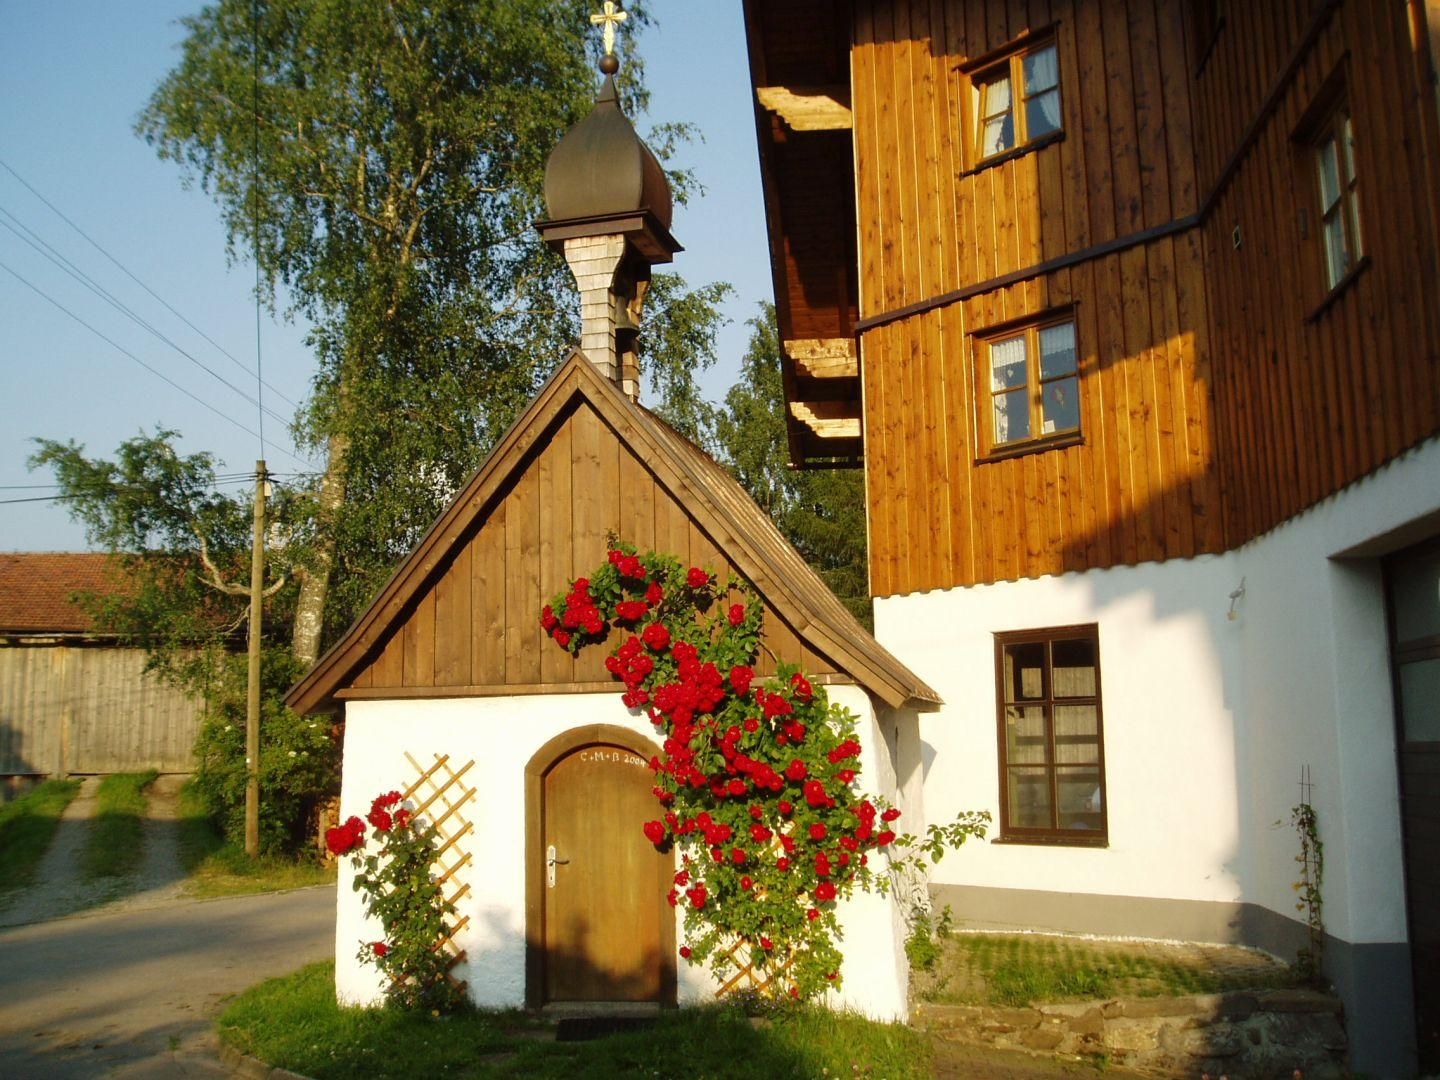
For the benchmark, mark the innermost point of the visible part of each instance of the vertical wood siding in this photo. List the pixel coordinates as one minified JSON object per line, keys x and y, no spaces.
{"x":1312,"y":400}
{"x":90,"y":710}
{"x":548,"y":529}
{"x":1141,"y":485}
{"x":1215,"y":402}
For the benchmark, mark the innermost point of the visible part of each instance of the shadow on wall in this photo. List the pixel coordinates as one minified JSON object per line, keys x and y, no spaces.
{"x":18,"y":774}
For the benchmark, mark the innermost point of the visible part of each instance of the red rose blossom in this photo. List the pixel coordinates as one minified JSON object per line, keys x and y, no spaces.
{"x":890,"y":815}
{"x":766,"y":943}
{"x":825,"y":891}
{"x":785,"y":807}
{"x":697,"y":578}
{"x":886,"y":837}
{"x":654,"y":594}
{"x":656,"y":636}
{"x":380,"y":948}
{"x":797,"y":770}
{"x":812,"y":914}
{"x":741,"y":676}
{"x":654,"y":832}
{"x":818,"y":831}
{"x":685,"y":952}
{"x":737,"y":614}
{"x":801,"y":687}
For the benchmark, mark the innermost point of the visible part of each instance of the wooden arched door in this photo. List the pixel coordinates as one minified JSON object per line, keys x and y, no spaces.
{"x":599,"y":926}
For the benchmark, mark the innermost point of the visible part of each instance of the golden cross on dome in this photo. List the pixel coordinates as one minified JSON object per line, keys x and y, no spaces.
{"x":610,"y":18}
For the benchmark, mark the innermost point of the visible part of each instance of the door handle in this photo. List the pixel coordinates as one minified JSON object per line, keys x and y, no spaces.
{"x":551,"y":861}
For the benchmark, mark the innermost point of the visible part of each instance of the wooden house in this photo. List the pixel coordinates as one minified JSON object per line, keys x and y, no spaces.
{"x":74,"y":700}
{"x":525,"y":757}
{"x":1130,"y":310}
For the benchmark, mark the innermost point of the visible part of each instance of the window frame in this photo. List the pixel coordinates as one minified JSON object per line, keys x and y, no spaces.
{"x":1012,"y":834}
{"x":1031,"y":328}
{"x":1337,"y":128}
{"x":1010,"y":61}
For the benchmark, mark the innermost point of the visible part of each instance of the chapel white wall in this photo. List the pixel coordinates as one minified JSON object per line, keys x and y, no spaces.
{"x":501,"y":734}
{"x":1207,"y":720}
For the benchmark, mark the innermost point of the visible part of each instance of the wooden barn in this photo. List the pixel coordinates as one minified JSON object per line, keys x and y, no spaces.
{"x":1130,"y":310}
{"x":73,"y":701}
{"x":534,"y":767}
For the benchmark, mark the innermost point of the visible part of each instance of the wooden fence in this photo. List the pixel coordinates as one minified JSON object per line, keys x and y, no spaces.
{"x":89,"y":709}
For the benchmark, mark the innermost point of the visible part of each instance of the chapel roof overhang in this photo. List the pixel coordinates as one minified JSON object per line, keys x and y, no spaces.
{"x":746,"y":535}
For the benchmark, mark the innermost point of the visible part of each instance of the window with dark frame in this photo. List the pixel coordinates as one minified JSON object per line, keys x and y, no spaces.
{"x":1052,"y":757}
{"x":1334,"y":143}
{"x":1032,"y":376}
{"x":1015,"y":101}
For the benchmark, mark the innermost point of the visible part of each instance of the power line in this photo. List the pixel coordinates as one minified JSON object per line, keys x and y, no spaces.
{"x":117,"y":490}
{"x":126,"y":271}
{"x":154,"y":371}
{"x":38,"y":244}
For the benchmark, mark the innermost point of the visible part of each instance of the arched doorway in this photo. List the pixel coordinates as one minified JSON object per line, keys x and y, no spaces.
{"x":597,"y":924}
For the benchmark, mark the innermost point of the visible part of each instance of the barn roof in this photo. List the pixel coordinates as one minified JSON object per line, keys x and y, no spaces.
{"x":37,"y":590}
{"x":742,"y":530}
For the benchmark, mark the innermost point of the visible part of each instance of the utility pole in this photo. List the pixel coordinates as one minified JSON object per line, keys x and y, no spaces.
{"x":252,"y":704}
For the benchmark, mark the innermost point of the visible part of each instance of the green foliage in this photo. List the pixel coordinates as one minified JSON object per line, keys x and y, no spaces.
{"x":27,"y":825}
{"x":922,"y":946}
{"x":398,"y":880}
{"x":1310,"y":960}
{"x":115,"y":840}
{"x":402,"y":152}
{"x":295,"y":1023}
{"x":214,"y":867}
{"x":299,"y":756}
{"x":820,"y":511}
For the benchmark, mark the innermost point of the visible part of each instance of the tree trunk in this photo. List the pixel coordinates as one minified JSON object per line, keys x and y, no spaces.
{"x":315,"y":583}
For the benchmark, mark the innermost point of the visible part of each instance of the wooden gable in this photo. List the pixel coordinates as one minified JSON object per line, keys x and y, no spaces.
{"x":460,"y":617}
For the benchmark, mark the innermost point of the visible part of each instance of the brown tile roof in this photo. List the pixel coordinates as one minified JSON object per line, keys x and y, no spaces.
{"x":36,"y":589}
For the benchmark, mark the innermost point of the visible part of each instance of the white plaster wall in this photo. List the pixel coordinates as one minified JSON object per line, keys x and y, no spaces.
{"x":1207,"y":720}
{"x":501,"y":735}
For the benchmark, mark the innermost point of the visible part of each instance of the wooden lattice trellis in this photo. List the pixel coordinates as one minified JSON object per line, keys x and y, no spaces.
{"x":770,"y":982}
{"x":439,"y":792}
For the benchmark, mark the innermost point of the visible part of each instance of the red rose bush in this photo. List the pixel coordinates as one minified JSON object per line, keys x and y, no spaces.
{"x":757,"y":782}
{"x":397,"y":877}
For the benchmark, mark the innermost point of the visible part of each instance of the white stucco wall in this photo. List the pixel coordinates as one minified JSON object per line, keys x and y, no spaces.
{"x":501,"y":735}
{"x":1207,"y":720}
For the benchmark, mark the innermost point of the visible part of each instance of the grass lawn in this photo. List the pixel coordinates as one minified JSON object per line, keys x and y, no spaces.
{"x":216,"y":868}
{"x":295,"y":1023}
{"x":115,"y":841}
{"x":1024,"y":969}
{"x":26,"y":826}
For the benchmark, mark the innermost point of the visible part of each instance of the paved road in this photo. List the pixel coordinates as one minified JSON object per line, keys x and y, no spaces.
{"x":134,"y":995}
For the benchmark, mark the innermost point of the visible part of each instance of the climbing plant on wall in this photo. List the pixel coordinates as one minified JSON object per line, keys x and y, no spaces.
{"x":757,"y":781}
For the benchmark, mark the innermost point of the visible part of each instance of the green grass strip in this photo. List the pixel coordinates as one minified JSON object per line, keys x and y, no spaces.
{"x":294,"y":1022}
{"x":216,"y":868}
{"x":115,"y":843}
{"x":27,"y":825}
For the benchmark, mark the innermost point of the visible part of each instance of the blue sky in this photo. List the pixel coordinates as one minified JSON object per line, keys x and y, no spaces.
{"x":73,"y":76}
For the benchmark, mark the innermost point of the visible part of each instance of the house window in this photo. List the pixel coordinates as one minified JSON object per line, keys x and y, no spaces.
{"x":1052,"y":759}
{"x":1016,"y":101}
{"x":1339,"y":204}
{"x":1034,"y":385}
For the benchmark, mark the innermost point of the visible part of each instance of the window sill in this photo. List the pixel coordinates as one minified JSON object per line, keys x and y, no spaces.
{"x":1341,"y":287}
{"x":1014,"y":152}
{"x":1090,"y":840}
{"x":1033,"y":446}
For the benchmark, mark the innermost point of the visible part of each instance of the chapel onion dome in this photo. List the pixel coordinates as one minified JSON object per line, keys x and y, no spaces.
{"x":602,"y":169}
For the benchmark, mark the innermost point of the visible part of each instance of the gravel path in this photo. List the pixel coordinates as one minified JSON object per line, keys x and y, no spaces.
{"x":60,"y":887}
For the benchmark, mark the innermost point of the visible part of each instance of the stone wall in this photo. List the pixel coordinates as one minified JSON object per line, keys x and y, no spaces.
{"x":1244,"y":1035}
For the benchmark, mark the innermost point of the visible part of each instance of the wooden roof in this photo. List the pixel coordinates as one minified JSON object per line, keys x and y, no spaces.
{"x":458,"y":584}
{"x":800,"y":70}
